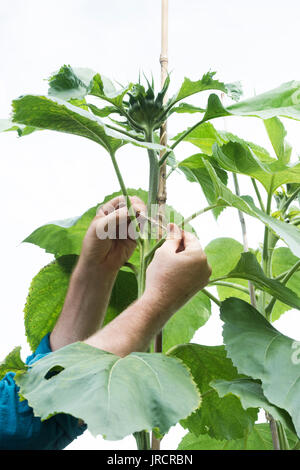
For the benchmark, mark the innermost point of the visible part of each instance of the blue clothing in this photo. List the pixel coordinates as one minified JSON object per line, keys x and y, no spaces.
{"x":20,"y":429}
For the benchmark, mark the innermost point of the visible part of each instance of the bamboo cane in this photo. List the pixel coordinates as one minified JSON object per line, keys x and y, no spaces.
{"x":162,"y":192}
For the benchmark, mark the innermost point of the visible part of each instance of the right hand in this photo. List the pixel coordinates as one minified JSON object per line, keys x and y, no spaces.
{"x":179,"y":269}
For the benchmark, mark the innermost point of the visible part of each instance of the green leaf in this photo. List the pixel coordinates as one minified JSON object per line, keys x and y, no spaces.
{"x":58,"y":115}
{"x":283,"y":260}
{"x":71,"y":83}
{"x":251,"y":395}
{"x":277,"y":134}
{"x":223,"y":254}
{"x":207,"y":82}
{"x":114,"y":396}
{"x":12,"y":363}
{"x":249,"y":268}
{"x":187,"y":108}
{"x":282,"y":101}
{"x":183,"y":325}
{"x":104,"y":88}
{"x":221,"y":418}
{"x":262,"y":352}
{"x":239,"y":158}
{"x":8,"y":125}
{"x":65,"y":237}
{"x":47,"y":294}
{"x":259,"y":438}
{"x":286,"y":232}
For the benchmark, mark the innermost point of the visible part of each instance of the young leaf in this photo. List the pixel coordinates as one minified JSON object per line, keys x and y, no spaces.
{"x":277,"y":133}
{"x":12,"y":363}
{"x":221,"y":418}
{"x":207,"y":82}
{"x":159,"y":390}
{"x":260,"y":438}
{"x":259,"y":350}
{"x":71,"y":83}
{"x":251,"y":395}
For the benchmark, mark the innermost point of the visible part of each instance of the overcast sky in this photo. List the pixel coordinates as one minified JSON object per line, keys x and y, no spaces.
{"x":49,"y":176}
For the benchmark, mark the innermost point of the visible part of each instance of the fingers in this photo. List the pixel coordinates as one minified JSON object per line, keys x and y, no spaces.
{"x":191,"y":242}
{"x":114,"y":225}
{"x":173,"y":240}
{"x":118,"y":202}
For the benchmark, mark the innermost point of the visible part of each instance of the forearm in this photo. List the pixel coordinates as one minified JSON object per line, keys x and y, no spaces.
{"x":85,"y":305}
{"x":133,"y":329}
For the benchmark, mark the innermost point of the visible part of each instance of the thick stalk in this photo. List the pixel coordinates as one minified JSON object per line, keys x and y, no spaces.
{"x":266,"y":258}
{"x":245,"y":239}
{"x":153,"y":176}
{"x":128,"y":202}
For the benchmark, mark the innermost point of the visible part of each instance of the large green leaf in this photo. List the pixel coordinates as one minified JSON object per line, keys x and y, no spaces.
{"x":259,"y":438}
{"x":262,"y":352}
{"x":249,"y":268}
{"x":114,"y":396}
{"x":287,"y":232}
{"x":223,"y":254}
{"x":47,"y":294}
{"x":183,"y":325}
{"x":281,"y":101}
{"x":251,"y":395}
{"x":12,"y":363}
{"x":46,"y":112}
{"x":221,"y":418}
{"x":207,"y":82}
{"x":239,"y":158}
{"x":283,"y":260}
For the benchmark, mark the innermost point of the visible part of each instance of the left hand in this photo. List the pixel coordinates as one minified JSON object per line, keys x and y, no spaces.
{"x":114,"y":250}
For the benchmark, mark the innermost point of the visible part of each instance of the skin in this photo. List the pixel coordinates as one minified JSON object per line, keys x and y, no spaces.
{"x":177,"y":272}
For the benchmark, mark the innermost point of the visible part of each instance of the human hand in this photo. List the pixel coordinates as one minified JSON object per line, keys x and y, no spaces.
{"x":108,"y":242}
{"x":179,"y":269}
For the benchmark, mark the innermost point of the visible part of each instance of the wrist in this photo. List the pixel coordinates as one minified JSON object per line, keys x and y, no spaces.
{"x":90,"y":271}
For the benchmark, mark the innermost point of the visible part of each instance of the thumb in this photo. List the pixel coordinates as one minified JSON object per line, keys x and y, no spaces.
{"x":174,"y":237}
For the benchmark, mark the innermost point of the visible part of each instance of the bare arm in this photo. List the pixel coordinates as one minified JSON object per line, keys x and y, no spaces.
{"x":94,"y":275}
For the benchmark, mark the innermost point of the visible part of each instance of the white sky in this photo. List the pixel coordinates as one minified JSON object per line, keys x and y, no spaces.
{"x":50,"y":176}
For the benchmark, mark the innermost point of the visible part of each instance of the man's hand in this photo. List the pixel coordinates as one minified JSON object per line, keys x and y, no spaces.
{"x":178,"y":270}
{"x":111,"y":253}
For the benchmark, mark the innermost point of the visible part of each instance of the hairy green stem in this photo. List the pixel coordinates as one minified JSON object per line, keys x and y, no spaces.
{"x":128,"y":202}
{"x":262,"y":206}
{"x":285,"y":279}
{"x":231,"y":285}
{"x":266,"y":261}
{"x":212,"y":297}
{"x":283,"y":442}
{"x":153,"y":174}
{"x":290,"y":200}
{"x":183,"y":136}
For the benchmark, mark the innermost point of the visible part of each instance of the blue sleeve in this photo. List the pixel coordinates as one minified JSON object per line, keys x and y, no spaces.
{"x":20,"y":429}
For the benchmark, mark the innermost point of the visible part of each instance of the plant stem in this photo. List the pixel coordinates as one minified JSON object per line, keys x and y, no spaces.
{"x":274,"y":431}
{"x":262,"y":206}
{"x":187,"y":132}
{"x":183,"y":223}
{"x":231,"y":285}
{"x":153,"y":175}
{"x":289,"y":200}
{"x":245,"y":238}
{"x":131,"y":213}
{"x":297,"y":446}
{"x":285,"y":279}
{"x":283,"y":442}
{"x":266,"y":261}
{"x":212,"y":297}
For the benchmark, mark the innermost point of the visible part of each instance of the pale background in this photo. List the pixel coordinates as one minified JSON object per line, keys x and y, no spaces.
{"x":50,"y":176}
